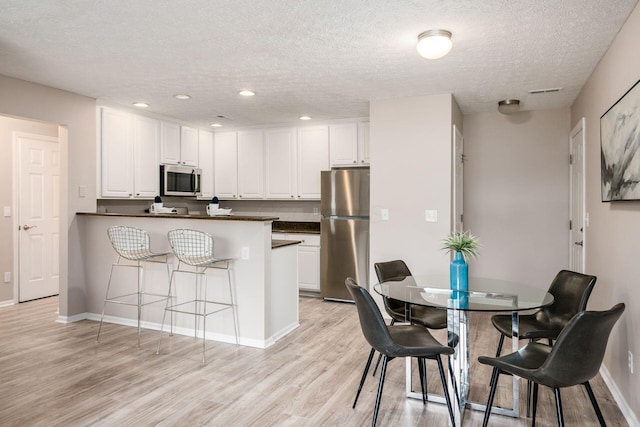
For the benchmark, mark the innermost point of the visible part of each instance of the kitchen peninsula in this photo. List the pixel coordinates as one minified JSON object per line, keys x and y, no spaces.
{"x":264,"y":274}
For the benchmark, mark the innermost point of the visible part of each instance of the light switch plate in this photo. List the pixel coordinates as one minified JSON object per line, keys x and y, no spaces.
{"x":244,"y":253}
{"x":7,"y":276}
{"x":384,"y":214}
{"x":82,"y":191}
{"x":431,"y":215}
{"x":7,"y":211}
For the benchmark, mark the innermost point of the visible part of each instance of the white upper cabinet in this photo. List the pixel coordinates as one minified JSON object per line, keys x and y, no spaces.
{"x":170,"y":135}
{"x":179,"y":144}
{"x":226,"y":165}
{"x":205,"y":163}
{"x":363,"y":143}
{"x":188,"y":146}
{"x":313,"y":157}
{"x":349,"y":144}
{"x":146,"y":181}
{"x":129,"y":155}
{"x":280,"y":146}
{"x":343,"y":140}
{"x":250,"y":165}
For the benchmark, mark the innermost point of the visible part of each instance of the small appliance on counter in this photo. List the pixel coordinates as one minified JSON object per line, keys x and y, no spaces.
{"x":157,"y":207}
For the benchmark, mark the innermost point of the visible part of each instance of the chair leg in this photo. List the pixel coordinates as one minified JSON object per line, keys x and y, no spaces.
{"x":492,"y":392}
{"x":592,"y":397}
{"x":421,"y":371}
{"x":234,"y":307}
{"x":383,"y":372}
{"x":535,"y":404}
{"x":164,"y":315}
{"x":556,"y":391}
{"x":445,"y":389}
{"x":104,"y":304}
{"x":364,"y":375}
{"x":204,"y":318}
{"x":380,"y":356}
{"x":140,"y":292}
{"x":500,"y":343}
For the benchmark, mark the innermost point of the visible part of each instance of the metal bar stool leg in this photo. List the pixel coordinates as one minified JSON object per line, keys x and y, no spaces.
{"x":104,"y":304}
{"x":234,"y":306}
{"x":164,"y":315}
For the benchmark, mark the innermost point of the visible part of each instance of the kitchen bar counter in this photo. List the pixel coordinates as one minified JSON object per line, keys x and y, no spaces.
{"x":232,"y":217}
{"x":266,"y":287}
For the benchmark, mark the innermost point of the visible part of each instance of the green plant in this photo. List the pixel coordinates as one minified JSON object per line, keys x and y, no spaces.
{"x":462,"y":241}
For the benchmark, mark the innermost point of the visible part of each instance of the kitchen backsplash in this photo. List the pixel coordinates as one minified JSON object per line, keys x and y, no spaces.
{"x":306,"y":211}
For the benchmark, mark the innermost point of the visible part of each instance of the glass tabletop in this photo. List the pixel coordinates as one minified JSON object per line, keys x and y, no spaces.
{"x":484,"y":294}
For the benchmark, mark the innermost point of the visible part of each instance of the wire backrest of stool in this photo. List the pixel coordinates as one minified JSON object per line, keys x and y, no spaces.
{"x":130,"y":242}
{"x":191,"y":246}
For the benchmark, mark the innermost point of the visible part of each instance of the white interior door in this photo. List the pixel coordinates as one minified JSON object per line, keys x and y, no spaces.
{"x":38,"y":203}
{"x":577,"y":239}
{"x":458,"y":160}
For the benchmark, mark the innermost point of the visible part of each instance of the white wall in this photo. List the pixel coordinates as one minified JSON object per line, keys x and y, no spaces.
{"x":516,"y":188}
{"x":410,"y":143}
{"x":78,"y":115}
{"x":612,"y":236}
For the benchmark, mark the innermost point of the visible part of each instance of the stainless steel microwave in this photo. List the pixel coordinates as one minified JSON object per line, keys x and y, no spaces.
{"x":179,"y":180}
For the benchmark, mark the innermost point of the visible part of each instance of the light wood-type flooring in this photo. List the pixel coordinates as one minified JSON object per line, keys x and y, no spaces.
{"x":53,"y":374}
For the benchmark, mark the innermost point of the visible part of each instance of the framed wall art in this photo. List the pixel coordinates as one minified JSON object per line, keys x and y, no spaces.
{"x":620,"y":148}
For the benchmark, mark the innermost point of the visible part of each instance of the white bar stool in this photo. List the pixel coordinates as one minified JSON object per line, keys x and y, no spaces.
{"x":195,"y":248}
{"x":133,"y":244}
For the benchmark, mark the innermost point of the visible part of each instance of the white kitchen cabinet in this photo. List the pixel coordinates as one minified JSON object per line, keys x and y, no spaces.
{"x":308,"y":259}
{"x":313,"y":157}
{"x":129,"y":155}
{"x":363,"y":143}
{"x":226,"y":165}
{"x":349,"y":144}
{"x":250,"y":164}
{"x":146,"y":172}
{"x":343,"y":144}
{"x":179,"y":144}
{"x":188,"y":146}
{"x":206,"y":164}
{"x":280,"y":148}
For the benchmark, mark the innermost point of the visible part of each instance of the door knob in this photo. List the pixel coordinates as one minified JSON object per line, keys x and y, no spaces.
{"x":27,"y":227}
{"x":578,"y":243}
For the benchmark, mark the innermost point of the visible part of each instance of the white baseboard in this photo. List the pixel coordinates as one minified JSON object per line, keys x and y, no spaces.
{"x":626,"y":410}
{"x":71,"y":319}
{"x":6,"y":303}
{"x":231,"y":339}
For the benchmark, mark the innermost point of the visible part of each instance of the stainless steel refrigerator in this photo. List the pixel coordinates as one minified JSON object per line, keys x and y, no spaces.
{"x":344,"y":231}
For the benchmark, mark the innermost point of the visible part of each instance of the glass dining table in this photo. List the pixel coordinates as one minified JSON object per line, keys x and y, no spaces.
{"x":484,"y":295}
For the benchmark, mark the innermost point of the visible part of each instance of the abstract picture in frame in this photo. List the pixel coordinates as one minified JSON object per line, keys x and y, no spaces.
{"x":620,"y":148}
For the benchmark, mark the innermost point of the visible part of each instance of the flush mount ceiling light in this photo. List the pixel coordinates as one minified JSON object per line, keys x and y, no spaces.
{"x":434,"y":44}
{"x":246,"y":92}
{"x":305,"y":117}
{"x":216,"y":125}
{"x":141,"y":104}
{"x":509,"y":106}
{"x":182,"y":96}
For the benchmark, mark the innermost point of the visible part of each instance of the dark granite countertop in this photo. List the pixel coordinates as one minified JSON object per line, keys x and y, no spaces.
{"x":232,"y":217}
{"x":278,"y":243}
{"x":293,"y":227}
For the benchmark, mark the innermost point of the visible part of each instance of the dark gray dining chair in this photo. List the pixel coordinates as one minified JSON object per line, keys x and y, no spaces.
{"x":571,"y":293}
{"x":395,"y":341}
{"x":430,"y":317}
{"x":574,"y":359}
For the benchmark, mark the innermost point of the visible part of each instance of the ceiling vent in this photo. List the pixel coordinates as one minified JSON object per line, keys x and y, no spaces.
{"x":549,"y":90}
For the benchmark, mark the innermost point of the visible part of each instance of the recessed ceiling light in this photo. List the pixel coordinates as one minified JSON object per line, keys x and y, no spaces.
{"x":434,"y":44}
{"x":182,"y":96}
{"x":141,"y":104}
{"x":305,"y":117}
{"x":247,"y":92}
{"x":216,"y":125}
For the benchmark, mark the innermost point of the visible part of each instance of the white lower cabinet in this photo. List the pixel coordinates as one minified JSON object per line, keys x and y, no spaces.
{"x":308,"y":259}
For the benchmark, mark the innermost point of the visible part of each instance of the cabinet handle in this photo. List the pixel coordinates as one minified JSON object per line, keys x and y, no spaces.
{"x":240,"y":196}
{"x":354,"y":161}
{"x":137,"y":194}
{"x":130,"y":194}
{"x":361,"y":161}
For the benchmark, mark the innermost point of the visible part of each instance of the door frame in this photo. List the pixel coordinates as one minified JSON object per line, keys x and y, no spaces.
{"x":16,"y":207}
{"x":579,"y":127}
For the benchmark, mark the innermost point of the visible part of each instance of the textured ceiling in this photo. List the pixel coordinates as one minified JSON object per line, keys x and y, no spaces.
{"x":324,"y":58}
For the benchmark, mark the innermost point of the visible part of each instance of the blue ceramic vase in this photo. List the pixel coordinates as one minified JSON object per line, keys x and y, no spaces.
{"x":459,"y":273}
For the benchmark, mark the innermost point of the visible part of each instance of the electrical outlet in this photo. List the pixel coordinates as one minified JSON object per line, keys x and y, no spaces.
{"x":630,"y":362}
{"x":315,"y":211}
{"x":384,"y":214}
{"x":7,"y":279}
{"x":244,"y":253}
{"x":7,"y":211}
{"x":431,"y":215}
